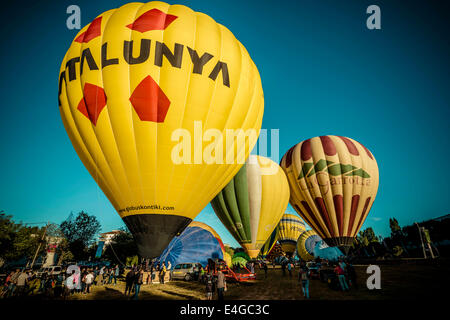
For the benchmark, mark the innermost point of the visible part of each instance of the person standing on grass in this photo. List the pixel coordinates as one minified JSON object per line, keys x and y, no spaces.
{"x":70,"y":283}
{"x":341,"y":276}
{"x":59,"y":281}
{"x":303,"y":278}
{"x":83,"y":279}
{"x":283,"y":268}
{"x":169,"y":267}
{"x":21,"y":283}
{"x":11,"y":283}
{"x":152,"y":276}
{"x":202,"y":274}
{"x":116,"y":274}
{"x":95,"y":273}
{"x":162,"y":273}
{"x":265,"y":270}
{"x":352,"y":275}
{"x":100,"y":275}
{"x":138,"y":280}
{"x":221,"y":285}
{"x":129,"y":281}
{"x":209,"y":286}
{"x":89,"y":279}
{"x":289,"y":267}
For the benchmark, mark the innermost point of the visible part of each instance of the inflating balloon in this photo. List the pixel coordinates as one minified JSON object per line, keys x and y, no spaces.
{"x":306,"y":244}
{"x":240,"y":258}
{"x":289,"y":229}
{"x":323,"y":251}
{"x":251,"y":205}
{"x":333,"y":182}
{"x":136,"y":87}
{"x":197,"y":243}
{"x":270,"y":243}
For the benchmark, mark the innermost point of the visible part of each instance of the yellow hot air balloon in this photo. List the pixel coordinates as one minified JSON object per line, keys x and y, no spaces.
{"x":150,"y":96}
{"x":333,"y":182}
{"x":251,"y":205}
{"x":289,"y":229}
{"x":306,"y":244}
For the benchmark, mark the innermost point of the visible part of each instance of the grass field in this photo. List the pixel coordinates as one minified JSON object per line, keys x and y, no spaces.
{"x":401,"y":281}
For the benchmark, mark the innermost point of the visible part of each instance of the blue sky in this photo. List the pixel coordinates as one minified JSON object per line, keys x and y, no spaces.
{"x":323,"y":72}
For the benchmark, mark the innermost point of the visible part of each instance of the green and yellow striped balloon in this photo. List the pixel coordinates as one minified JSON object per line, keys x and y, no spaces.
{"x":251,"y":205}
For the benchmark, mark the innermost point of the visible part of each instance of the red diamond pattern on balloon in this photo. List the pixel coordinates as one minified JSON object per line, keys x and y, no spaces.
{"x":153,"y":19}
{"x":93,"y":31}
{"x":93,"y":102}
{"x":149,"y":101}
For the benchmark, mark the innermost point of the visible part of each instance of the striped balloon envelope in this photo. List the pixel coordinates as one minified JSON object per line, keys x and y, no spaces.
{"x":252,"y":203}
{"x":270,"y":243}
{"x":333,"y":182}
{"x":196,"y":244}
{"x":289,"y":229}
{"x":306,"y":244}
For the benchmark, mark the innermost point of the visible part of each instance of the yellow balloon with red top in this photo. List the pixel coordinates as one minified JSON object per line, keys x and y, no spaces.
{"x":147,"y":94}
{"x":333,"y":182}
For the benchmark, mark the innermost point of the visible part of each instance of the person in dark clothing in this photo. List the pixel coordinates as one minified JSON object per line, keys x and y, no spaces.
{"x":210,"y":286}
{"x":83,"y":280}
{"x":352,"y":275}
{"x":59,"y":285}
{"x":138,"y":281}
{"x":265,"y":270}
{"x":129,"y":281}
{"x":303,"y":278}
{"x":283,"y":268}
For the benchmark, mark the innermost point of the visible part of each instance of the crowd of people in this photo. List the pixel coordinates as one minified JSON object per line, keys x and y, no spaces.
{"x":343,"y":270}
{"x":75,"y":280}
{"x":25,"y":282}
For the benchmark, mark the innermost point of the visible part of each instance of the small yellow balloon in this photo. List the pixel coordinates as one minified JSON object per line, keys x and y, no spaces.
{"x":289,"y":229}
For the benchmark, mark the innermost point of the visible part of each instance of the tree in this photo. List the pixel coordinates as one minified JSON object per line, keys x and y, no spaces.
{"x":80,"y":233}
{"x":18,"y":241}
{"x":367,"y":236}
{"x":122,"y":247}
{"x":395,"y":227}
{"x":397,"y":237}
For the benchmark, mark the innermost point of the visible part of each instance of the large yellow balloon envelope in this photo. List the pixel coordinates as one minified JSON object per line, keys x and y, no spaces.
{"x":251,"y":205}
{"x":289,"y":229}
{"x":150,"y":96}
{"x":306,"y":244}
{"x":333,"y":182}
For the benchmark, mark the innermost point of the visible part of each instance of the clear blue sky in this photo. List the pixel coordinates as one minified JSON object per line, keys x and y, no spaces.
{"x":323,"y":72}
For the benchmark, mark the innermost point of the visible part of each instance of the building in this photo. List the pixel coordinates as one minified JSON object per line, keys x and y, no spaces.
{"x":107,"y":237}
